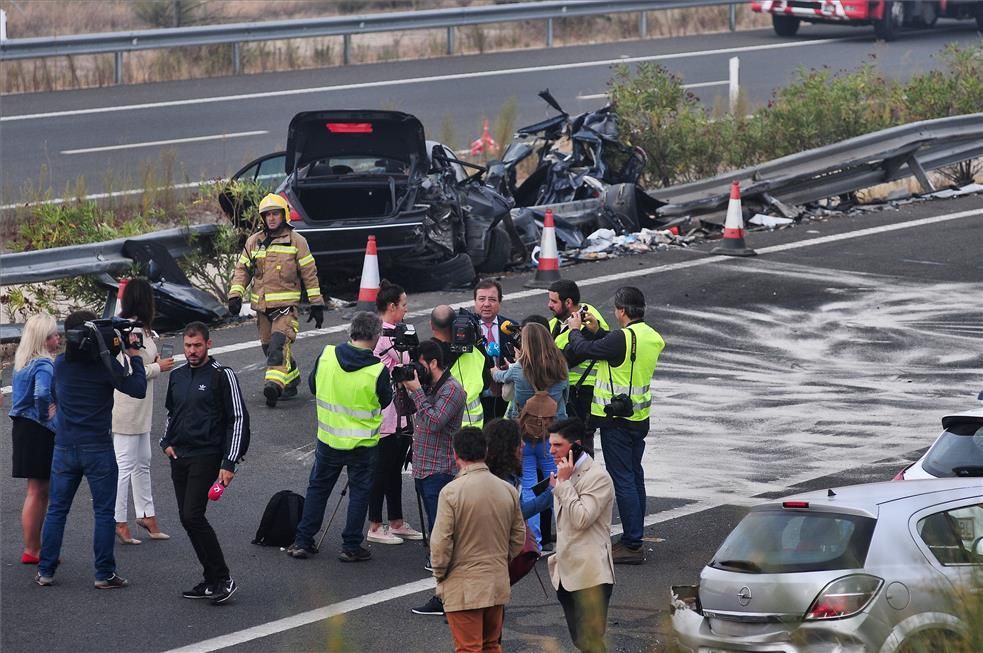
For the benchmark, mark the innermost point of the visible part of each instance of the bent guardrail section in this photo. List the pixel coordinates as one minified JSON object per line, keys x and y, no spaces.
{"x":92,"y":258}
{"x":843,"y":167}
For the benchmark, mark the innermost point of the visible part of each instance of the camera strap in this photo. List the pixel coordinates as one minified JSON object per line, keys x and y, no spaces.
{"x":631,"y":369}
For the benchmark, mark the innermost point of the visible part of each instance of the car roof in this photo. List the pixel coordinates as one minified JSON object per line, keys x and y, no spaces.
{"x":957,"y":417}
{"x":867,"y":497}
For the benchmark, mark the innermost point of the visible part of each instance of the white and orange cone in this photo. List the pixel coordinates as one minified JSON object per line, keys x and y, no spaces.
{"x":485,"y":143}
{"x":548,"y":270}
{"x":733,"y":242}
{"x":368,"y":289}
{"x":119,"y":295}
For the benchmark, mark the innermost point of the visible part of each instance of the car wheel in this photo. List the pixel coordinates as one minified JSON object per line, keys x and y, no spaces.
{"x":930,"y":641}
{"x":455,"y":272}
{"x":889,"y":25}
{"x":499,"y":249}
{"x":785,"y":25}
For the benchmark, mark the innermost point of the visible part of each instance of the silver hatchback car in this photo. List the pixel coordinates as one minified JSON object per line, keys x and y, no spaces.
{"x":878,"y":568}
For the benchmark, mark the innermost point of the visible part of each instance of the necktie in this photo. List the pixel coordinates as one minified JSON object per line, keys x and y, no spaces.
{"x":490,"y":332}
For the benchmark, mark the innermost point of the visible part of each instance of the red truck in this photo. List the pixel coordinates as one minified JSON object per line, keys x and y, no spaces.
{"x":887,"y":16}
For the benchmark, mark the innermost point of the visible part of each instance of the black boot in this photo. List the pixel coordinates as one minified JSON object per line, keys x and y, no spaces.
{"x":272,"y":392}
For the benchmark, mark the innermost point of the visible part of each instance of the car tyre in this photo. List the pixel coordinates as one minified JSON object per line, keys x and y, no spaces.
{"x":455,"y":272}
{"x":785,"y":25}
{"x":499,"y":251}
{"x":887,"y":27}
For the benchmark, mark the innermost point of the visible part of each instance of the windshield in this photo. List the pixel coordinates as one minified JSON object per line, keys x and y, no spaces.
{"x":958,"y":452}
{"x":780,"y":541}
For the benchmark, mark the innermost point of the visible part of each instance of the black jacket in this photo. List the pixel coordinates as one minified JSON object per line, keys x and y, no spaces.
{"x":206,"y":414}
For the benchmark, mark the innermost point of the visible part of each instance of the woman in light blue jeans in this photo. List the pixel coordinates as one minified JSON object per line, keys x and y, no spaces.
{"x":539,"y":366}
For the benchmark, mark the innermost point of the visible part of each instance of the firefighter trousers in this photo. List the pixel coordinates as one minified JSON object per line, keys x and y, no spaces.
{"x":277,"y":332}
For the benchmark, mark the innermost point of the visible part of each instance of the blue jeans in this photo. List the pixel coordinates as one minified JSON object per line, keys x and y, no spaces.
{"x":623,"y":447}
{"x":97,"y":463}
{"x":429,"y":489}
{"x":328,"y":462}
{"x":535,"y":458}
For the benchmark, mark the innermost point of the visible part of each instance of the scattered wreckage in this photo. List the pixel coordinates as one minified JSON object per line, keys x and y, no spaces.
{"x":437,"y":219}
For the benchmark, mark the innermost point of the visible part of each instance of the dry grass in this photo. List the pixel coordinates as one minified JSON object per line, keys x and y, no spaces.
{"x":33,"y":18}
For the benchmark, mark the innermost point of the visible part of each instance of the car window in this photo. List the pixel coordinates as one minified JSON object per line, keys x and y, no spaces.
{"x":781,"y":541}
{"x":952,"y":535}
{"x":271,"y":171}
{"x":958,"y":451}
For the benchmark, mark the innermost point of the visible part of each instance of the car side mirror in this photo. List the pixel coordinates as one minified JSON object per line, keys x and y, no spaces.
{"x":978,"y":547}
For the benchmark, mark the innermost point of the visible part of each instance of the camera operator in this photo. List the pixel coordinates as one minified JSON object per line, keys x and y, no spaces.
{"x":352,"y":387}
{"x":84,"y":379}
{"x":439,"y":399}
{"x":396,"y":434}
{"x":564,"y":301}
{"x":621,"y":404}
{"x":468,"y":367}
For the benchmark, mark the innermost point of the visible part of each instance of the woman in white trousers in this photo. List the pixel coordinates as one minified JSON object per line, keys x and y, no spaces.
{"x":131,"y":422}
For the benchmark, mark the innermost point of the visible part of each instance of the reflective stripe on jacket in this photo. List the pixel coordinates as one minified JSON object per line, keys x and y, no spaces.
{"x":469,"y":369}
{"x":649,"y":344}
{"x":276,"y":271}
{"x":563,"y":338}
{"x":348,"y":411}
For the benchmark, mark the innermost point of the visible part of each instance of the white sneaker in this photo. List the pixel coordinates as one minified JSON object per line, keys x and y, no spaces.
{"x":383,"y":536}
{"x":406,"y":532}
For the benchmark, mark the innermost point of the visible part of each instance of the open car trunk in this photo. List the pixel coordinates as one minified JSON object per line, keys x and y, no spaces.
{"x":334,"y":201}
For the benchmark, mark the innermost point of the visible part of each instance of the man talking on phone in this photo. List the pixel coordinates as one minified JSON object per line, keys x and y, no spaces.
{"x":583,"y":499}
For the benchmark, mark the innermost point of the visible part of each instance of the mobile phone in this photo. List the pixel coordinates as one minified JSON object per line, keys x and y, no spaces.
{"x":541,"y":487}
{"x":576,"y":449}
{"x":166,"y":350}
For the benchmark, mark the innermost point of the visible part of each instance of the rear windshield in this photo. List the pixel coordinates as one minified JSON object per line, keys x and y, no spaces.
{"x":353,"y":164}
{"x":782,"y":541}
{"x":958,"y":452}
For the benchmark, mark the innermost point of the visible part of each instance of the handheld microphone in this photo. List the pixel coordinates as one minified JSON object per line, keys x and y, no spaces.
{"x":509,"y":328}
{"x":493,"y":349}
{"x":215,"y":492}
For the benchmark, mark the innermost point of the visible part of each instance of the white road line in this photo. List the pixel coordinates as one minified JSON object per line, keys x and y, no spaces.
{"x":644,"y":272}
{"x":601,"y":96}
{"x":381,"y":596}
{"x":424,"y":80}
{"x":99,"y":196}
{"x":174,"y":141}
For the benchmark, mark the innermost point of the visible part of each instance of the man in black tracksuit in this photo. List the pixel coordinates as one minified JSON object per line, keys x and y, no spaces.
{"x":206,"y":435}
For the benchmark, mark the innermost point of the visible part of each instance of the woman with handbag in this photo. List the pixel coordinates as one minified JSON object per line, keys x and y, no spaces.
{"x":539,"y":375}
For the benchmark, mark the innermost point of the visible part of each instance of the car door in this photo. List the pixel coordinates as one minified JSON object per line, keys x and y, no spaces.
{"x":951,"y":537}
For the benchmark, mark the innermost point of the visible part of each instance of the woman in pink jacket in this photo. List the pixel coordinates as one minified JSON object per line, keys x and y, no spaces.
{"x":395,"y":436}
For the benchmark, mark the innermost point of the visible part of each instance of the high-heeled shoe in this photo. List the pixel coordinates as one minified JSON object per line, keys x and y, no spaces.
{"x":154,"y":535}
{"x":123,"y":539}
{"x":28,"y":559}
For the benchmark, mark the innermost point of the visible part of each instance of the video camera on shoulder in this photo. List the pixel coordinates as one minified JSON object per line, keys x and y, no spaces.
{"x":404,"y":339}
{"x":89,"y":341}
{"x":465,"y":332}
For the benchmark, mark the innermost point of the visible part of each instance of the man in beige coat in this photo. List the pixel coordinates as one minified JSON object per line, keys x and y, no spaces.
{"x":582,"y":570}
{"x":478,"y":529}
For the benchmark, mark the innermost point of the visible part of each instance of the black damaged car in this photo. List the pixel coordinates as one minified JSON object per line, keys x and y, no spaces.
{"x":351,"y":173}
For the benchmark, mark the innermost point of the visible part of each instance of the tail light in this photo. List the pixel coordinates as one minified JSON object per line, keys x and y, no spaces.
{"x":844,"y":597}
{"x":293,"y":216}
{"x":900,"y":475}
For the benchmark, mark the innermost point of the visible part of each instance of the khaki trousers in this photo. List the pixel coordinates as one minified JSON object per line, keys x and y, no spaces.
{"x":277,"y":334}
{"x":477,"y":631}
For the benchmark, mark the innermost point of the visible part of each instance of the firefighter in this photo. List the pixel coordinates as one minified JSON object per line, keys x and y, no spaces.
{"x":279,"y":263}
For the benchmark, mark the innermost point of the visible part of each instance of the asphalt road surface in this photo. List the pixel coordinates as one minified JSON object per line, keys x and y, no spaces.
{"x":828,"y":359}
{"x":193,"y":130}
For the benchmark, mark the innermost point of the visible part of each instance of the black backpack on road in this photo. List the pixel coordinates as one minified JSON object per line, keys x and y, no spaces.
{"x":279,"y":523}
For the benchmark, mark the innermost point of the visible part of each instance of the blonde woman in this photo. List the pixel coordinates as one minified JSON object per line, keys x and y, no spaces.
{"x":539,"y":366}
{"x":33,"y":411}
{"x":131,"y":422}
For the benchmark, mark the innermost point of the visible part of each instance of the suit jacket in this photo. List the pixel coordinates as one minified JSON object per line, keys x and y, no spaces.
{"x":583,"y":506}
{"x":478,"y":529}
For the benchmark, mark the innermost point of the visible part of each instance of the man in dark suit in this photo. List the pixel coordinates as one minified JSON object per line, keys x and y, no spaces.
{"x":487,"y":302}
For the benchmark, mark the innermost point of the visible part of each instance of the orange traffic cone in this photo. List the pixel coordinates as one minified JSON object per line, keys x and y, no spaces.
{"x":733,"y":242}
{"x":548,"y":270}
{"x":369,"y":286}
{"x":119,"y":295}
{"x":485,"y":142}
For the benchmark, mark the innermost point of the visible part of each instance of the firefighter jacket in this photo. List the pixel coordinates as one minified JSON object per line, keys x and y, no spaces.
{"x":277,"y":265}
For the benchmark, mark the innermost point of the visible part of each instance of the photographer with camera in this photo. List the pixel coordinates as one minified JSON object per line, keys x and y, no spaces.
{"x":85,"y":377}
{"x":397,"y":429}
{"x":279,"y":263}
{"x":563,"y":301}
{"x":621,"y":405}
{"x":352,"y":387}
{"x":464,"y":355}
{"x":439,"y":399}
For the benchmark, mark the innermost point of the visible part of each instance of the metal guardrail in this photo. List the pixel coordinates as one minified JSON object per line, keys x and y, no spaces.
{"x":93,"y":258}
{"x":850,"y":165}
{"x":345,"y":26}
